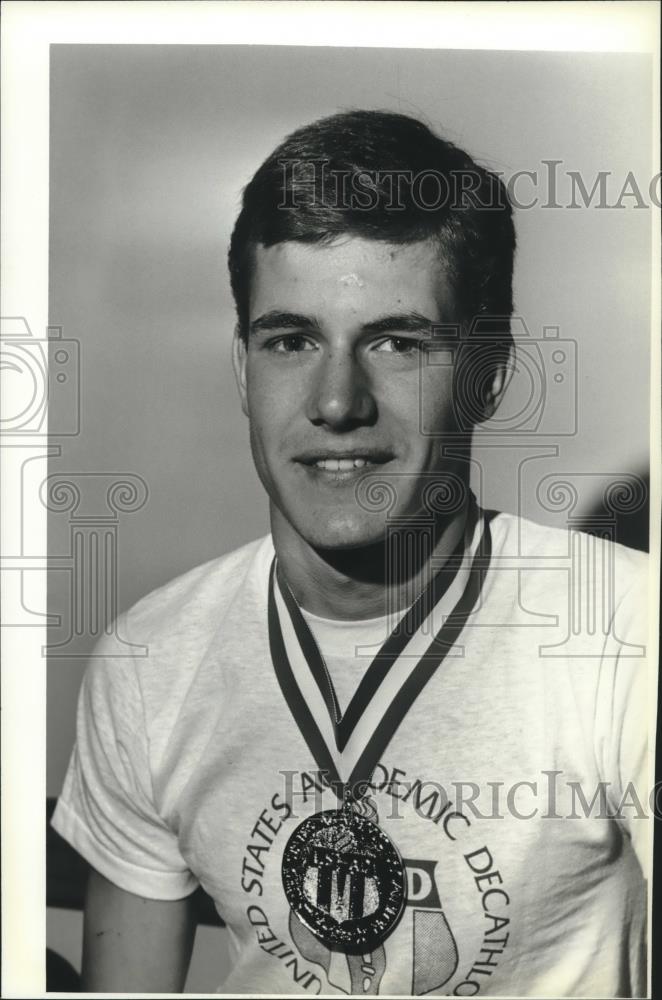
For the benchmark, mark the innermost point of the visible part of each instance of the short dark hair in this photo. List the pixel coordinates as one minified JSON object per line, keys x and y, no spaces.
{"x":363,"y":173}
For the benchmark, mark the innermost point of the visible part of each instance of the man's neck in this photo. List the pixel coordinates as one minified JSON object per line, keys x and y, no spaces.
{"x":355,"y":584}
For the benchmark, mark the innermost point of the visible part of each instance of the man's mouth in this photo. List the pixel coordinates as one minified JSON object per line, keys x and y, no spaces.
{"x":340,"y":464}
{"x":347,"y":462}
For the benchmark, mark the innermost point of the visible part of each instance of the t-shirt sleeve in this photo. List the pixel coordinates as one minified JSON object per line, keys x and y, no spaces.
{"x":106,"y":809}
{"x":627,"y":697}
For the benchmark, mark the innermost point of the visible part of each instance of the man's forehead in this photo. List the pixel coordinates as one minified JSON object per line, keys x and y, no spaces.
{"x":351,"y":279}
{"x":352,"y":270}
{"x":355,"y":252}
{"x":350,"y":266}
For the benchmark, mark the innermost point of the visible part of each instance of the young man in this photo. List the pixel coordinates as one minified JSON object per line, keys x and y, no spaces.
{"x":367,"y":735}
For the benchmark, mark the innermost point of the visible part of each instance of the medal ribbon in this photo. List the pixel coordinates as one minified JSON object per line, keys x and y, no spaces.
{"x":421,"y":673}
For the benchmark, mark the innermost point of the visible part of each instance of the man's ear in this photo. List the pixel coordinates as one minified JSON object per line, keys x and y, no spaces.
{"x":239,"y":356}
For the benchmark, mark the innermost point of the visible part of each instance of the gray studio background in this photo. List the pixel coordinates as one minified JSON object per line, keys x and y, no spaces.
{"x":150,"y":147}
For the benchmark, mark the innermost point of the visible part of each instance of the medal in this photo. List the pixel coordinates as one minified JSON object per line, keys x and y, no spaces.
{"x":342,"y":875}
{"x":344,"y":879}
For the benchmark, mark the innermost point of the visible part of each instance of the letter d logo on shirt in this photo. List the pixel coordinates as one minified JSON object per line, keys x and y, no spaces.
{"x":435,"y":955}
{"x":421,"y":885}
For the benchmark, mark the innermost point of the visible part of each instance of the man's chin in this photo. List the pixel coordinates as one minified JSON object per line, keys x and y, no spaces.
{"x":342,"y":534}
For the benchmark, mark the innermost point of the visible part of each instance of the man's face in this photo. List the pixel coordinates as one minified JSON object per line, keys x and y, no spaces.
{"x":332,"y":381}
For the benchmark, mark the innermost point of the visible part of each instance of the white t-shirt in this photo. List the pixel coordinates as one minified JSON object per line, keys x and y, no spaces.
{"x":190,"y":770}
{"x":346,"y":647}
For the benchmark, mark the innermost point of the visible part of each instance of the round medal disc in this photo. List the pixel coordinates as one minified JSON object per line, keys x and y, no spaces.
{"x":344,"y":879}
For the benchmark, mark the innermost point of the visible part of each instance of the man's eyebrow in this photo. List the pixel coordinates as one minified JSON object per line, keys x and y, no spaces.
{"x":409,"y":322}
{"x":406,"y":322}
{"x":276,"y":320}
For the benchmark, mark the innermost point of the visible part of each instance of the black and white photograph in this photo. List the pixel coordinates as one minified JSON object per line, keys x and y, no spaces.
{"x":331,"y":442}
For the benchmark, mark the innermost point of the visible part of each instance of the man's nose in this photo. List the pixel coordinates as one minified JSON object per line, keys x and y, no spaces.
{"x":341,"y":396}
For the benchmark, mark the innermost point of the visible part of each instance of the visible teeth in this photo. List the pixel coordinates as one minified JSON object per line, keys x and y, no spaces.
{"x":340,"y":464}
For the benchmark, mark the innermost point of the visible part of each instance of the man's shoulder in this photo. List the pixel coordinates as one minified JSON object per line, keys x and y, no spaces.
{"x":517,"y":536}
{"x":200,"y":596}
{"x":162,"y":639}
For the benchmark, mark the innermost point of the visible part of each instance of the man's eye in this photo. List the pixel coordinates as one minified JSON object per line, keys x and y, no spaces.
{"x":291,"y":343}
{"x":400,"y":345}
